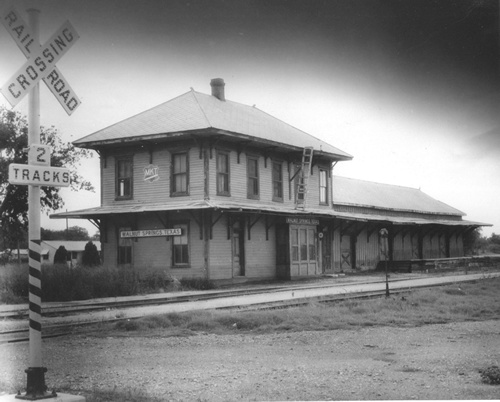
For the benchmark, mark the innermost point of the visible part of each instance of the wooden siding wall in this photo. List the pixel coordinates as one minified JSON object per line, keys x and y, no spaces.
{"x":238,"y":180}
{"x":336,"y":255}
{"x":403,"y":246}
{"x":456,"y":245}
{"x":221,"y":264}
{"x":260,"y":254}
{"x":367,"y":251}
{"x":147,"y":192}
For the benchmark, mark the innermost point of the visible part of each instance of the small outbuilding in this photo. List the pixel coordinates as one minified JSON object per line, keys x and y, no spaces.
{"x":74,"y":248}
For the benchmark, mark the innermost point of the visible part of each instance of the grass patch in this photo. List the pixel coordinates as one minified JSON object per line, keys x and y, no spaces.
{"x":452,"y":303}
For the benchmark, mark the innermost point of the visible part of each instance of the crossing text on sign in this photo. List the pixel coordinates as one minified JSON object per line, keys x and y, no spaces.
{"x":40,"y":65}
{"x":55,"y":81}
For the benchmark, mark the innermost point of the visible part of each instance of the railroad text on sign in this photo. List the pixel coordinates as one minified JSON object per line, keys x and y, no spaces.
{"x":40,"y":64}
{"x":24,"y":38}
{"x":39,"y":175}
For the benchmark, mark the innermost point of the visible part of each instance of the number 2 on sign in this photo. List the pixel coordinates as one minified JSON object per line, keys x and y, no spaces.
{"x":39,"y":155}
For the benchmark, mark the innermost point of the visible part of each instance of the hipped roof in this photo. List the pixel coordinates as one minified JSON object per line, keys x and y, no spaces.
{"x":195,"y":112}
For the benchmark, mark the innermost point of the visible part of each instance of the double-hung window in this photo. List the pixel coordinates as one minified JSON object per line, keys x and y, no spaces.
{"x":180,"y":247}
{"x":180,"y":174}
{"x":124,"y":248}
{"x":124,"y":178}
{"x":323,"y":186}
{"x":277,"y":182}
{"x":223,"y":173}
{"x":253,"y":177}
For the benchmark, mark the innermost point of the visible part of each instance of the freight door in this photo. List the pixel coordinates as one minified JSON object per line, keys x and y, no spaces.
{"x":303,"y":250}
{"x":326,"y":252}
{"x":346,"y":255}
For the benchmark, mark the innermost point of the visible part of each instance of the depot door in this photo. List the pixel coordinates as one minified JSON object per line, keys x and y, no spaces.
{"x":326,"y":253}
{"x":238,"y":248}
{"x":303,"y":250}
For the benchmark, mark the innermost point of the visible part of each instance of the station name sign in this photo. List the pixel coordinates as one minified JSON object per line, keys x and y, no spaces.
{"x":150,"y":233}
{"x":39,"y":175}
{"x":302,"y":221}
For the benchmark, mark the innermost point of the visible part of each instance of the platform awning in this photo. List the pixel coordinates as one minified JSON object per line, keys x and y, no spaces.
{"x":229,"y":206}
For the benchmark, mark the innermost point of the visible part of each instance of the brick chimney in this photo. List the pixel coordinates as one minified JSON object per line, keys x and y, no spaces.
{"x":217,"y":85}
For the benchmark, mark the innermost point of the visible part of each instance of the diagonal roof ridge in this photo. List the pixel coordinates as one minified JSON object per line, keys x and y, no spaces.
{"x":133,"y":117}
{"x":193,"y":92}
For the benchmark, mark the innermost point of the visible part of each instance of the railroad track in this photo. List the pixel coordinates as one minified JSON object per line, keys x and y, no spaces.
{"x":60,"y":309}
{"x":284,"y":297}
{"x":54,"y":331}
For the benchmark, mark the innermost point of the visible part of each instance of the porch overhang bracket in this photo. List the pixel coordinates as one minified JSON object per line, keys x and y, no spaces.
{"x":268,"y":225}
{"x":251,"y":224}
{"x":344,"y":229}
{"x":198,"y":220}
{"x":212,"y":223}
{"x":163,"y":222}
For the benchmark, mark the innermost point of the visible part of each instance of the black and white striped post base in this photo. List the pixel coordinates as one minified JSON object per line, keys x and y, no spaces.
{"x":36,"y":388}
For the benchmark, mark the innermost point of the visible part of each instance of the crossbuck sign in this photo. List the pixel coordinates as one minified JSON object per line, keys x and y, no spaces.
{"x":41,"y":62}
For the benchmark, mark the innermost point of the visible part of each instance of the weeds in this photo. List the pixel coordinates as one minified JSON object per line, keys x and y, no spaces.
{"x":416,"y":308}
{"x":62,"y":283}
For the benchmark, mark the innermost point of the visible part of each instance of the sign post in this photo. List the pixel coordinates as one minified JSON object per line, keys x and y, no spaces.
{"x":384,"y":234}
{"x":40,"y":65}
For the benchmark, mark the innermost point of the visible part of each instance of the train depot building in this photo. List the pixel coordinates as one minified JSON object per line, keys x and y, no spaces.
{"x":201,"y":186}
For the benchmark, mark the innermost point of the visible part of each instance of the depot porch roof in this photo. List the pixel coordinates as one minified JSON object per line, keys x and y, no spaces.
{"x":228,"y":206}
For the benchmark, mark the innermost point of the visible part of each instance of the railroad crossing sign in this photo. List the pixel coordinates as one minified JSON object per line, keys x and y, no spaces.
{"x":41,"y":62}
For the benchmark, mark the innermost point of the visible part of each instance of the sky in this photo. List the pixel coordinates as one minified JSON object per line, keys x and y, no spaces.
{"x":410,"y":89}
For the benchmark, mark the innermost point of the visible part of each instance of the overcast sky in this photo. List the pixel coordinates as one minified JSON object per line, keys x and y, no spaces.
{"x":409,"y":88}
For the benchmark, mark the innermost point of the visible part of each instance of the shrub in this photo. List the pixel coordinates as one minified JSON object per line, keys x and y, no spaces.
{"x":90,"y":255}
{"x":491,"y":375}
{"x":61,"y":255}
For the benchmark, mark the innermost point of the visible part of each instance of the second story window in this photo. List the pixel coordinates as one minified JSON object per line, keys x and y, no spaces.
{"x":124,"y":178}
{"x":323,"y":186}
{"x":252,"y":177}
{"x":180,"y":174}
{"x":277,"y":182}
{"x":223,"y":173}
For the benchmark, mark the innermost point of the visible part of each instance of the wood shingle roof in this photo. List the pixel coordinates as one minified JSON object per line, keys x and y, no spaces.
{"x":206,"y":114}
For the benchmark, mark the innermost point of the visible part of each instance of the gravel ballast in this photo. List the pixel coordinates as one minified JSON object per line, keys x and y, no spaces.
{"x":441,"y":361}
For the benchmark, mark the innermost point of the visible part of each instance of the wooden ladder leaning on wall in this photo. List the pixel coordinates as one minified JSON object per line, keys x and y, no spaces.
{"x":305,"y":173}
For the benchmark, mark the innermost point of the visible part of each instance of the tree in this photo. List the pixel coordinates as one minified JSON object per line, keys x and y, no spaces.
{"x":61,"y":255}
{"x":13,"y":149}
{"x":91,"y":256}
{"x":72,"y":233}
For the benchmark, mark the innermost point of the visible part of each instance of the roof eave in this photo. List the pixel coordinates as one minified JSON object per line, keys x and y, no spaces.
{"x":96,"y":145}
{"x":461,"y":214}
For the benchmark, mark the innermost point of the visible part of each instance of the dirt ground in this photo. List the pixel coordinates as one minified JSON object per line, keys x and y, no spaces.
{"x":430,"y":362}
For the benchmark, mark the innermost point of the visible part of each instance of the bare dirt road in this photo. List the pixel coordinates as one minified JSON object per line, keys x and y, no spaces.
{"x":430,"y":362}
